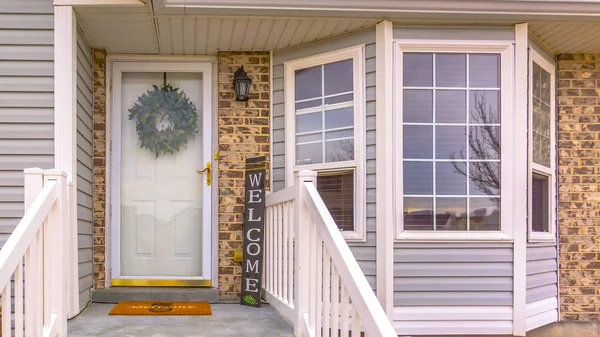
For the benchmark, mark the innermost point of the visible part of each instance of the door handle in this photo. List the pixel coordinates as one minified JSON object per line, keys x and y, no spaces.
{"x":208,"y":171}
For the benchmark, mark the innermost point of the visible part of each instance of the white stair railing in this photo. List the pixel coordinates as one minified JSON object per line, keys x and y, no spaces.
{"x":34,"y":255}
{"x":330,"y":295}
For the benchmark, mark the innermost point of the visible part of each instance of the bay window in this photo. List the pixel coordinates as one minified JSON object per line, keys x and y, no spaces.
{"x":451,"y":102}
{"x":324,"y":128}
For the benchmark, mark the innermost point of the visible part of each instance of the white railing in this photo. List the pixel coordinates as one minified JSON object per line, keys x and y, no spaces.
{"x":34,"y":256}
{"x":329,"y":295}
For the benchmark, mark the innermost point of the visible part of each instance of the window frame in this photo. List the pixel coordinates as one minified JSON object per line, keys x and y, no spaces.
{"x":358,"y":164}
{"x":506,"y":51}
{"x":550,"y":173}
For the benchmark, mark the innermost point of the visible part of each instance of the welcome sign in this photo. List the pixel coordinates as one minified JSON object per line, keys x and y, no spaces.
{"x":254,"y":231}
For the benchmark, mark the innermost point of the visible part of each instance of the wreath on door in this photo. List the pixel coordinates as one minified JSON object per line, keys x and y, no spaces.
{"x":164,"y":105}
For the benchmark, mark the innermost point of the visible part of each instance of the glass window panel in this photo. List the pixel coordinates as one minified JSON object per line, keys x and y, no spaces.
{"x":418,"y":214}
{"x":450,"y":178}
{"x":339,"y":118}
{"x":339,"y":134}
{"x":418,"y":70}
{"x":308,"y":83}
{"x":339,"y":99}
{"x":309,"y":122}
{"x":418,"y":177}
{"x":484,"y":70}
{"x":545,"y":86}
{"x":484,"y":107}
{"x":417,"y":106}
{"x":309,"y":154}
{"x":451,"y":214}
{"x":450,"y":70}
{"x":337,"y":191}
{"x":484,"y":178}
{"x":417,"y":142}
{"x":339,"y":77}
{"x":484,"y":142}
{"x":315,"y":137}
{"x":450,"y":142}
{"x":539,"y":204}
{"x":339,"y":150}
{"x":484,"y":214}
{"x":308,"y":104}
{"x":537,"y":83}
{"x":541,"y":117}
{"x":450,"y":106}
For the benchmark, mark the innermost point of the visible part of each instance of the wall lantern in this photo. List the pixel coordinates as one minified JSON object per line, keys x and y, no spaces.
{"x":241,"y":82}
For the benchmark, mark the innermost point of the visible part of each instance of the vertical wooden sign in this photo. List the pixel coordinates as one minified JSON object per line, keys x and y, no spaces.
{"x":254,"y":231}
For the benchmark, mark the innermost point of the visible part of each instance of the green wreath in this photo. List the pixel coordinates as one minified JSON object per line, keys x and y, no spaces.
{"x":156,"y":105}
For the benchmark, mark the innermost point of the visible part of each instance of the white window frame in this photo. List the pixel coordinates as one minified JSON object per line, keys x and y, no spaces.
{"x":355,"y":53}
{"x":550,"y":236}
{"x":506,"y":51}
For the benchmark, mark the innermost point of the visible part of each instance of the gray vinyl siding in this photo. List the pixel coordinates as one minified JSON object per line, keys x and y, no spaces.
{"x":364,"y":252}
{"x":542,"y":271}
{"x":453,"y":274}
{"x":85,"y":80}
{"x":26,"y":100}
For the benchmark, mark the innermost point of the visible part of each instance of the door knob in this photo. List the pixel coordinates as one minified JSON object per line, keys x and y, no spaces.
{"x":208,"y":171}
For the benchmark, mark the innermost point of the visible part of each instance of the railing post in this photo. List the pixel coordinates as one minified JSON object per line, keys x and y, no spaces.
{"x":56,"y":237}
{"x":301,"y":230}
{"x":34,"y":182}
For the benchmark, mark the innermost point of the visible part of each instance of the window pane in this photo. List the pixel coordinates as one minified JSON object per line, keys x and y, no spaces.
{"x":450,"y":70}
{"x":451,"y":214}
{"x":417,"y":106}
{"x":309,"y":122}
{"x":484,"y":214}
{"x":484,"y":107}
{"x":484,"y":70}
{"x":484,"y":142}
{"x":418,"y":178}
{"x":545,"y":87}
{"x":418,"y":70}
{"x":541,"y":112}
{"x":450,"y":178}
{"x":308,"y":83}
{"x":339,"y":118}
{"x":339,"y":150}
{"x":418,"y":214}
{"x":349,"y":133}
{"x":309,"y":154}
{"x":339,"y":77}
{"x":450,"y":106}
{"x":539,"y":204}
{"x":418,"y":142}
{"x":339,"y":99}
{"x":450,"y":142}
{"x":313,"y":137}
{"x":484,"y":178}
{"x":308,"y":104}
{"x":337,"y":191}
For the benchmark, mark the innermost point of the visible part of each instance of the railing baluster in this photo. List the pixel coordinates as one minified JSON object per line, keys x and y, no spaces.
{"x":290,"y":247}
{"x":29,"y":274}
{"x":312,"y":275}
{"x":284,"y":270}
{"x":345,"y":312}
{"x":39,"y":285}
{"x":280,"y":250}
{"x":272,"y":250}
{"x":355,"y":324}
{"x":6,"y":309}
{"x":269,"y":244}
{"x":326,"y":292}
{"x":19,"y":300}
{"x":319,"y":281}
{"x":335,"y":301}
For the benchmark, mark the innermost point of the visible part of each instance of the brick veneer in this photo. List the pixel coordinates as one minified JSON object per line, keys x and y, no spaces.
{"x":578,"y":184}
{"x":243,"y":133}
{"x":99,"y":192}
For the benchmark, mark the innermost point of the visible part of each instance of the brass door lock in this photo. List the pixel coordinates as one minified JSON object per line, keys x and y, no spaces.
{"x":208,"y":171}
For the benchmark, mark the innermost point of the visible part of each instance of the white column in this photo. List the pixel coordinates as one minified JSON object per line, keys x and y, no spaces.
{"x":385,"y":216}
{"x":520,"y":180}
{"x":65,"y":123}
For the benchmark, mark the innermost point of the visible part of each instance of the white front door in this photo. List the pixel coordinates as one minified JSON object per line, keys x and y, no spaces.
{"x":164,"y":205}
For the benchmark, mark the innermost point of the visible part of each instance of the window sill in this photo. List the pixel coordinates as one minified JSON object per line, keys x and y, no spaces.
{"x":452,"y":236}
{"x":541,"y":237}
{"x":352,"y":236}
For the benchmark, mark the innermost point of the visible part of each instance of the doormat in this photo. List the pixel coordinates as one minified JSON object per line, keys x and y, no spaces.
{"x":164,"y":308}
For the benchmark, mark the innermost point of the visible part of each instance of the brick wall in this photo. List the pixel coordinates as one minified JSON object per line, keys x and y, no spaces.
{"x":99,"y":193}
{"x":243,"y":133}
{"x":579,"y":181}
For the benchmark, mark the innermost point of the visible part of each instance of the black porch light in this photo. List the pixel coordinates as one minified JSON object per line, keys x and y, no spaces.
{"x":241,"y":82}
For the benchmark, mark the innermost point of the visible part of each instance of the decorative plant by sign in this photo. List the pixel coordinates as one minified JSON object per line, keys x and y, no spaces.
{"x":168,"y":105}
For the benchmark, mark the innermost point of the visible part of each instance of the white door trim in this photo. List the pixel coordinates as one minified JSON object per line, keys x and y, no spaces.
{"x":114,"y":156}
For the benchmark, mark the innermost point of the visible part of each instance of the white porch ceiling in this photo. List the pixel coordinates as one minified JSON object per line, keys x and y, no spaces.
{"x":568,"y":37}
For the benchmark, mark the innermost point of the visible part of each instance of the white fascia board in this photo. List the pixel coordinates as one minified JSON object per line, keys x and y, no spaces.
{"x":99,"y":3}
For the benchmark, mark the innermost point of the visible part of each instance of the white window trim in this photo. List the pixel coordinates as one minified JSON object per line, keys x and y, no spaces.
{"x":358,"y":164}
{"x":550,"y":236}
{"x":506,"y":49}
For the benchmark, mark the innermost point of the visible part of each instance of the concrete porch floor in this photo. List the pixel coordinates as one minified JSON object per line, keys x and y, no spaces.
{"x":226,"y":320}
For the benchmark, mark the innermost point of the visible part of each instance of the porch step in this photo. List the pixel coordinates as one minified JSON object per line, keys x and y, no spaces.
{"x":116,"y":294}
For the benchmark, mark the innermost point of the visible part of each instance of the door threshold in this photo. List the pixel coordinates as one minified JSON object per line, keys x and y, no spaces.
{"x":160,"y":283}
